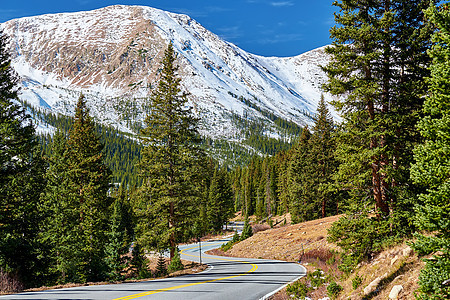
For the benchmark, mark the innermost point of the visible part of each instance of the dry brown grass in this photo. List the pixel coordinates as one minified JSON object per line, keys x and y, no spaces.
{"x":286,"y":242}
{"x":281,"y":295}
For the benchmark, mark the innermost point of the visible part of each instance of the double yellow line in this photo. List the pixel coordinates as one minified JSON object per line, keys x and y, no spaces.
{"x":253,"y":269}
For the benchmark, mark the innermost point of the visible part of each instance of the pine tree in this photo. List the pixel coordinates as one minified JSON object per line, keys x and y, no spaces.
{"x":220,"y":201}
{"x":378,"y":67}
{"x":283,"y":191}
{"x":237,"y":188}
{"x":324,"y":165}
{"x":260,"y":198}
{"x":76,"y":196}
{"x":58,"y":232}
{"x":301,"y":187}
{"x":175,"y":263}
{"x":382,"y":83}
{"x":271,"y":187}
{"x":432,"y":167}
{"x":161,"y":267}
{"x":247,"y":231}
{"x":139,"y":263}
{"x":88,"y":179}
{"x":21,"y":179}
{"x":171,"y":164}
{"x":119,"y":236}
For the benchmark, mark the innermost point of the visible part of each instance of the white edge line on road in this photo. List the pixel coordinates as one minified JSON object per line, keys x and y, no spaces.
{"x":207,"y":270}
{"x":282,"y":287}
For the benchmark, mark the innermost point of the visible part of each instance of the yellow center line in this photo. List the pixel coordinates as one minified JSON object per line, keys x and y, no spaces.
{"x":253,"y":269}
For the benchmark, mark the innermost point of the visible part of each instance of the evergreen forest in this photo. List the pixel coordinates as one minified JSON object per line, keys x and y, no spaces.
{"x":87,"y":202}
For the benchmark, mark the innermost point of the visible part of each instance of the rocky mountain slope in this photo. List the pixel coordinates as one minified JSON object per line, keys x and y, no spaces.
{"x":113,"y":56}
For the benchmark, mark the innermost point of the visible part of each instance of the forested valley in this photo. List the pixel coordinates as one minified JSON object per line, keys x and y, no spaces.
{"x":74,"y":203}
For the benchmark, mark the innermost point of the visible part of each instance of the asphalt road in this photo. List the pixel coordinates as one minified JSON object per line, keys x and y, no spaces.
{"x":226,"y":278}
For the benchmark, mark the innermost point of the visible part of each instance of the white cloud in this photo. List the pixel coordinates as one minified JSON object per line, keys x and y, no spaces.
{"x":281,"y":38}
{"x":230,"y":33}
{"x":282,"y":3}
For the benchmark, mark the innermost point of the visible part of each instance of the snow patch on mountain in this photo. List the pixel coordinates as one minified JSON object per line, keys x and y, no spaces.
{"x":112,"y":55}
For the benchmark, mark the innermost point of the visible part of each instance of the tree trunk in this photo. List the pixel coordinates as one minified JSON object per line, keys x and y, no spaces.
{"x":324,"y":203}
{"x":385,"y":103}
{"x":172,"y":235}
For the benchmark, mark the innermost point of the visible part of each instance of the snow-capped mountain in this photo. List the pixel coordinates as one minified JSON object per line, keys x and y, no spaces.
{"x":113,"y":56}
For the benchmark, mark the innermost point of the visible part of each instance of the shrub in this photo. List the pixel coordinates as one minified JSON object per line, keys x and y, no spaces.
{"x":356,"y":281}
{"x":333,"y":289}
{"x":318,"y":254}
{"x":247,"y":231}
{"x":161,"y":269}
{"x":226,"y":247}
{"x":235,"y":238}
{"x":298,"y":289}
{"x":316,"y":278}
{"x":359,"y":236}
{"x":331,"y":261}
{"x":175,"y":263}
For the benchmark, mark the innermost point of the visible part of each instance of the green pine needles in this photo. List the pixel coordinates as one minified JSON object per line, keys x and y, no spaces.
{"x":175,"y":262}
{"x":171,"y":165}
{"x":21,"y":182}
{"x":432,"y":167}
{"x":378,"y":67}
{"x":220,"y":206}
{"x":247,"y":231}
{"x":76,"y":202}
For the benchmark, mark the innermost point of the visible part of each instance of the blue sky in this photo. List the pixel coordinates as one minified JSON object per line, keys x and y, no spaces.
{"x":264,"y":27}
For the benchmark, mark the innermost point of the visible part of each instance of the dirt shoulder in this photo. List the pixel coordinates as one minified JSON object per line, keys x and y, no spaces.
{"x":286,"y":242}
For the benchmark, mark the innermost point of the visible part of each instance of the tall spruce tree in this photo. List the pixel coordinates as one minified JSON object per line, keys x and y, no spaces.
{"x":21,"y":179}
{"x":171,"y":164}
{"x":88,"y":179}
{"x":302,"y":205}
{"x":378,"y":67}
{"x":283,"y":191}
{"x":120,"y":235}
{"x":89,"y":182}
{"x":220,"y":203}
{"x":269,"y":186}
{"x":324,"y":165}
{"x":77,"y":198}
{"x":432,"y":167}
{"x":58,"y":232}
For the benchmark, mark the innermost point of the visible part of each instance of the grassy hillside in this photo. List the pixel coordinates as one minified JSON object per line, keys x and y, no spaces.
{"x":307,"y":242}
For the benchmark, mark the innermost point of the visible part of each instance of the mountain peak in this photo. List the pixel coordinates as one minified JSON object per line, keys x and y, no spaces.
{"x":113,"y":56}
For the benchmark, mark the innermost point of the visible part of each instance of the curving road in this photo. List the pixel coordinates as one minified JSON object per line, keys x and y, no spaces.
{"x":226,"y":278}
